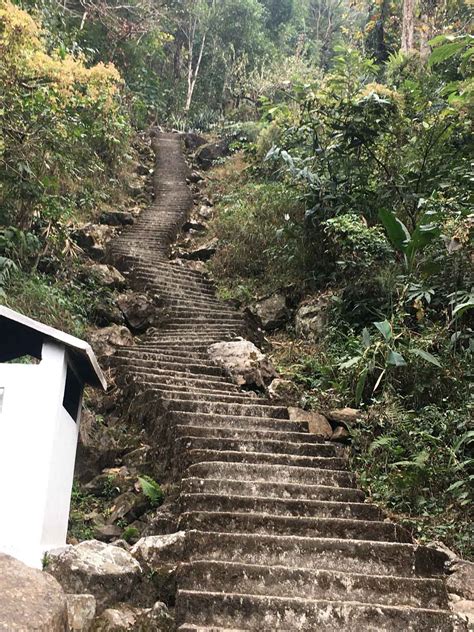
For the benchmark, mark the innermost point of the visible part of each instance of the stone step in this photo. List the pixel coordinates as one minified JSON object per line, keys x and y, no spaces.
{"x":276,"y":437}
{"x":192,"y":456}
{"x":261,"y":523}
{"x":312,"y":553}
{"x":152,"y":367}
{"x":239,"y":423}
{"x":255,"y":612}
{"x":222,"y":408}
{"x":268,"y":446}
{"x":281,"y":581}
{"x":198,"y":395}
{"x":227,"y":503}
{"x":268,"y":473}
{"x":267,"y":490}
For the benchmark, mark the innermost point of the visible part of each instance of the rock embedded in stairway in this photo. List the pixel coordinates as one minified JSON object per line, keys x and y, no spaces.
{"x":29,"y":598}
{"x":105,"y":341}
{"x":244,"y":362}
{"x":105,"y":275}
{"x":317,"y":422}
{"x":347,"y":417}
{"x":139,"y":311}
{"x":160,"y":557}
{"x":283,"y":390}
{"x":92,"y":567}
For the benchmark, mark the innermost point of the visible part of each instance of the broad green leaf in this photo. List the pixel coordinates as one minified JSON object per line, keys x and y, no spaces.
{"x":385,"y":329}
{"x":426,"y":356}
{"x":396,"y":230}
{"x":360,"y":386}
{"x":463,"y":307}
{"x":353,"y":361}
{"x":444,"y":52}
{"x":395,"y":359}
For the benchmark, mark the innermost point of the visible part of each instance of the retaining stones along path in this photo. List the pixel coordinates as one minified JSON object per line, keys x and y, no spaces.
{"x":278,"y":537}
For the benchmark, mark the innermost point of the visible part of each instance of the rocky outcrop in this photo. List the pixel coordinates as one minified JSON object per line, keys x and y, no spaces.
{"x":207,"y":155}
{"x":312,"y":317}
{"x":92,"y":567}
{"x":106,"y":275}
{"x":139,"y":311}
{"x":244,"y":362}
{"x":30,"y":599}
{"x":105,"y":341}
{"x":272,"y":311}
{"x":92,"y":239}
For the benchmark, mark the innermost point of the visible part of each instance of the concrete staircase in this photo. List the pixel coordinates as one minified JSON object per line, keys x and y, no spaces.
{"x":278,"y":535}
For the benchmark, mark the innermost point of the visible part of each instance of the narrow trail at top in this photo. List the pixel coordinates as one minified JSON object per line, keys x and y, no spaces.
{"x":278,"y":537}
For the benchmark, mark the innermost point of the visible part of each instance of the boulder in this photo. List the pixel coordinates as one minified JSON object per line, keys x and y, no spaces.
{"x":117,"y":218}
{"x":244,"y":362}
{"x":311,"y":318}
{"x":465,"y":609}
{"x":205,"y":212}
{"x":30,"y":599}
{"x":92,"y":238}
{"x":106,"y":571}
{"x":107,"y":532}
{"x":341,"y":434}
{"x":317,"y":423}
{"x":347,"y":417}
{"x":105,"y":341}
{"x":201,"y":252}
{"x":160,"y":557}
{"x":139,"y":311}
{"x":138,"y":460}
{"x":81,"y":612}
{"x":106,"y":275}
{"x":193,"y":141}
{"x":120,"y":618}
{"x":272,"y":311}
{"x":128,"y":506}
{"x":285,"y":390}
{"x":461,"y":579}
{"x":157,"y":618}
{"x":207,"y":155}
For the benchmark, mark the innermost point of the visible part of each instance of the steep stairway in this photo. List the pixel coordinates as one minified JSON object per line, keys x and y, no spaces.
{"x":278,"y":537}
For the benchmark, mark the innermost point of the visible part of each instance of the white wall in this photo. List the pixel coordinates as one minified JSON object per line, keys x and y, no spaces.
{"x":38,"y":442}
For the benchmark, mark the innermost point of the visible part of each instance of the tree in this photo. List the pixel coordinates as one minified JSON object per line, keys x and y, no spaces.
{"x":408,"y":25}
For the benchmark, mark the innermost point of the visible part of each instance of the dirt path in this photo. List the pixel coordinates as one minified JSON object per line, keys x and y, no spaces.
{"x":278,"y":535}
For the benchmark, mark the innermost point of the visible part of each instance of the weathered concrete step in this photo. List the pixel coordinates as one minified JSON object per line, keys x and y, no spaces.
{"x":269,"y":446}
{"x":143,"y":352}
{"x":199,"y":395}
{"x":281,"y":581}
{"x":218,"y":431}
{"x":239,"y":423}
{"x":192,"y":456}
{"x":282,"y":491}
{"x":226,"y":503}
{"x":221,"y":408}
{"x":268,"y":473}
{"x":279,"y":613}
{"x":341,"y":528}
{"x":331,"y":554}
{"x":151,"y":367}
{"x":168,"y":386}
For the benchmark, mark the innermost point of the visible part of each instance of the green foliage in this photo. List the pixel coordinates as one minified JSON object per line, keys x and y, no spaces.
{"x":151,"y":490}
{"x":130,"y":534}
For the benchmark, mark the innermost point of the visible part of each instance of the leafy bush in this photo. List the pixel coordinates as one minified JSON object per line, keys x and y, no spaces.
{"x":63,"y":127}
{"x":151,"y":490}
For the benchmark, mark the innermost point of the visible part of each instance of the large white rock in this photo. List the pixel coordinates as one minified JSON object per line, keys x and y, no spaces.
{"x":244,"y":362}
{"x":108,"y":572}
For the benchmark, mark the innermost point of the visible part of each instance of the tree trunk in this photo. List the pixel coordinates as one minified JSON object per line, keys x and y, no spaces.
{"x":408,"y":25}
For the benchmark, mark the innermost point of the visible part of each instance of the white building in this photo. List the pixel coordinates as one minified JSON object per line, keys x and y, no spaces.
{"x":40,"y":408}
